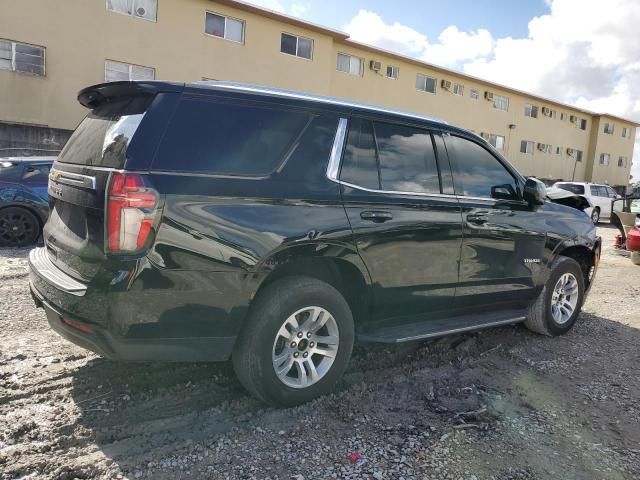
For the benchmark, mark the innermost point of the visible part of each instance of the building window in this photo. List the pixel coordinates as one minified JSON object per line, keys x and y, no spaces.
{"x":559,"y":150}
{"x":350,"y":64}
{"x":582,"y":124}
{"x":552,"y":114}
{"x":22,"y":57}
{"x":622,"y":162}
{"x":116,"y":72}
{"x":392,"y":72}
{"x":608,"y":128}
{"x":500,"y":102}
{"x":297,"y":46}
{"x":146,"y":9}
{"x":526,"y":147}
{"x":497,"y":141}
{"x":224,"y":27}
{"x":474,"y":94}
{"x":626,"y":132}
{"x":458,"y":89}
{"x":545,"y":147}
{"x":578,"y":155}
{"x":531,"y":111}
{"x":604,"y":159}
{"x":563,"y":116}
{"x":426,"y":84}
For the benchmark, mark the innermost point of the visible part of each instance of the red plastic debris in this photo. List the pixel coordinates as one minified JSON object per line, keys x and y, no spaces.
{"x":356,"y":457}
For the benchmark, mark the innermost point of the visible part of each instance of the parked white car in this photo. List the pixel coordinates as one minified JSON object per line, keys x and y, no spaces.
{"x":599,"y":195}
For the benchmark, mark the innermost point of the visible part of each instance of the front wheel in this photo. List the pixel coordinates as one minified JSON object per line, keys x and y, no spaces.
{"x":296,"y":343}
{"x":558,"y":305}
{"x":18,"y":227}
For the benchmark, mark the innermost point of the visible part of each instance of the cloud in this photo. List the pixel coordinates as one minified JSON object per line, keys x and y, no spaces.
{"x":296,"y":9}
{"x":582,"y":52}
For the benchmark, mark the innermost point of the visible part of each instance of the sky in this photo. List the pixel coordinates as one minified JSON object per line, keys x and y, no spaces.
{"x":582,"y":52}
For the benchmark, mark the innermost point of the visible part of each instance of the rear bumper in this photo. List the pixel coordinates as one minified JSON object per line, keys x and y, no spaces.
{"x":48,"y":285}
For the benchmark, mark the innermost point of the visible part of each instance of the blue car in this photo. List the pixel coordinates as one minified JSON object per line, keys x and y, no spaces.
{"x":24,"y":204}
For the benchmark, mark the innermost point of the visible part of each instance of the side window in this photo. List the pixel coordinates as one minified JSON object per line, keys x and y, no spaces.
{"x":232,"y":139}
{"x":612,"y":193}
{"x":36,"y":174}
{"x":407,"y":159}
{"x":477,"y":173}
{"x":359,"y":165}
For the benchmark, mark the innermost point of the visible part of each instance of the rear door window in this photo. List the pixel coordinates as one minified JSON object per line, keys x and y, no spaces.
{"x":228,"y":138}
{"x":407,"y":159}
{"x":103,"y":136}
{"x":359,"y":164}
{"x":570,"y":187}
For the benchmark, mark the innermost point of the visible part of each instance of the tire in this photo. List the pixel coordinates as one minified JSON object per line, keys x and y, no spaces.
{"x":542,"y":318}
{"x":595,"y":216}
{"x":263,"y":341}
{"x":635,"y":258}
{"x":18,"y":227}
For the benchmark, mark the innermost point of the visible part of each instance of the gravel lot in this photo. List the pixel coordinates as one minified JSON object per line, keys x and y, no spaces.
{"x":502,"y":404}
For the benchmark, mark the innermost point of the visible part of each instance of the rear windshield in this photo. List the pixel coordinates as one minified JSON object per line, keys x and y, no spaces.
{"x":103,"y":136}
{"x":230,"y":139}
{"x":570,"y":187}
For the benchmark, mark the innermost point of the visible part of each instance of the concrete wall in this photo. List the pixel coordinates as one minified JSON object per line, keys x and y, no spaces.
{"x":79,"y":35}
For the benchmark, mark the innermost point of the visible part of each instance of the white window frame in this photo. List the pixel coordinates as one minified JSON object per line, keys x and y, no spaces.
{"x":493,"y":140}
{"x":298,"y":37}
{"x":458,"y":89}
{"x":580,"y":122}
{"x":130,"y":68}
{"x":609,"y":128}
{"x":578,"y":155}
{"x":224,"y":36}
{"x":626,"y":132}
{"x":435,"y":84}
{"x":395,"y":70}
{"x":605,"y":158}
{"x":474,"y":94}
{"x":497,"y":97}
{"x":13,"y":58}
{"x":133,"y":13}
{"x":563,"y":116}
{"x":624,"y":161}
{"x":529,"y":148}
{"x":529,"y":110}
{"x":360,"y":74}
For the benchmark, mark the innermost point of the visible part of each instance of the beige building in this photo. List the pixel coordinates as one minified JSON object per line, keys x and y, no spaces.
{"x":51,"y":49}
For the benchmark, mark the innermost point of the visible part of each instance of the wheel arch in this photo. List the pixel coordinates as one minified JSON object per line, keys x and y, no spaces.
{"x":582,"y":254}
{"x":338,"y":265}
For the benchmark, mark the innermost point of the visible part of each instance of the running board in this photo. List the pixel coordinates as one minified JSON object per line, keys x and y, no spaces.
{"x":441,"y":327}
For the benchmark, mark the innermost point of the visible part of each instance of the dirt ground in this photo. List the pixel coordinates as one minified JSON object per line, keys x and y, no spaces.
{"x":501,"y":404}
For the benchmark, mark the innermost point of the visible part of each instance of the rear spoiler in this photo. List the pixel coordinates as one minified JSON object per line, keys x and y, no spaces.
{"x":95,"y":95}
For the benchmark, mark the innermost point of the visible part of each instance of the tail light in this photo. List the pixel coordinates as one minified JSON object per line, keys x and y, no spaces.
{"x":131,"y":209}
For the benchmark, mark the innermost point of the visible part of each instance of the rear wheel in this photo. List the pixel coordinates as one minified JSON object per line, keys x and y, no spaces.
{"x":18,"y":227}
{"x":557,"y":307}
{"x":296,"y":343}
{"x":595,"y":216}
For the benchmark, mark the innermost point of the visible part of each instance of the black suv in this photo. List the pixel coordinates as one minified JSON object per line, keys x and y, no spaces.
{"x":209,"y":221}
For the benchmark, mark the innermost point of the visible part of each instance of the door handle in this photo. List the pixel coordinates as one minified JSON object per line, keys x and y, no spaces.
{"x":376,"y":216}
{"x":477,"y":218}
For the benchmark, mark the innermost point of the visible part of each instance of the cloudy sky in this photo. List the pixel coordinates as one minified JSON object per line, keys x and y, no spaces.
{"x":582,"y":52}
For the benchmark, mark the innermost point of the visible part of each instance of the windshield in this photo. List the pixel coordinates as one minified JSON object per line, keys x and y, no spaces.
{"x":571,"y":187}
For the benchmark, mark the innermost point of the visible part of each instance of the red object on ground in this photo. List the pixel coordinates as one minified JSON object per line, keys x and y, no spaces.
{"x":633,"y":240}
{"x":355,"y":457}
{"x":618,"y":242}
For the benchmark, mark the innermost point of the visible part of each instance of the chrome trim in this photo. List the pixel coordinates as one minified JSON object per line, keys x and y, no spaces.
{"x":74,"y":179}
{"x":40,"y":264}
{"x":277,"y":92}
{"x":395,"y":192}
{"x":336,"y":150}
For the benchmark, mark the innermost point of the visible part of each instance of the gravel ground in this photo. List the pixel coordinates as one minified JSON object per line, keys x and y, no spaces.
{"x":501,"y":404}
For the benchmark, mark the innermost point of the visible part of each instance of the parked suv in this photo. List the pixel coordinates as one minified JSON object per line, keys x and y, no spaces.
{"x":600,"y":197}
{"x":210,"y":221}
{"x":23,"y":199}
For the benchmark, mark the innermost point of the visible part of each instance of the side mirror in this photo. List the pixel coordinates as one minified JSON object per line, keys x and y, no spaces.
{"x":503,"y":192}
{"x":535,"y":192}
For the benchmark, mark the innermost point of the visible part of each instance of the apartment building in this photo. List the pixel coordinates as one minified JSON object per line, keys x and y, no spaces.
{"x":50,"y":50}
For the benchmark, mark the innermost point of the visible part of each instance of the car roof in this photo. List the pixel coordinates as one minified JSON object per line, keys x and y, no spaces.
{"x":322,"y":99}
{"x":17,"y":160}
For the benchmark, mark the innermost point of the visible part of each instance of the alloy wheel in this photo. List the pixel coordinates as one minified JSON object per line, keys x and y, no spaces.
{"x":564,"y":300}
{"x":305,"y":347}
{"x":16,"y":227}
